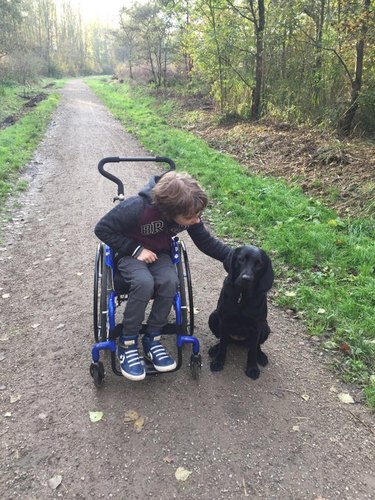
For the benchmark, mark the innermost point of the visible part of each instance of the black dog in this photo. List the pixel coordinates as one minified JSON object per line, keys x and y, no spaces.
{"x":241,"y":312}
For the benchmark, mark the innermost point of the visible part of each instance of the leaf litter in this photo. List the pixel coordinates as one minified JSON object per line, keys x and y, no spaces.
{"x":132,"y":416}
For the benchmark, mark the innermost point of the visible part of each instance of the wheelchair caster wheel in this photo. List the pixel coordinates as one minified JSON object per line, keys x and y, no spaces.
{"x":195,"y":365}
{"x":97,"y":372}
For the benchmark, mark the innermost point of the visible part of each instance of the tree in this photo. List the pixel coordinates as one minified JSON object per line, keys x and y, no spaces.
{"x":10,"y":20}
{"x":362,"y":25}
{"x":25,"y":68}
{"x":254,"y":12}
{"x":317,"y":11}
{"x":127,"y":36}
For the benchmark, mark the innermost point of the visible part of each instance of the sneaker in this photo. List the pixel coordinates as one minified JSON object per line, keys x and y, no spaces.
{"x":156,"y":353}
{"x":130,"y":363}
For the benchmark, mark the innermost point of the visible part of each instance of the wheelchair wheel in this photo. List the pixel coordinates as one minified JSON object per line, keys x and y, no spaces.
{"x":195,"y":365}
{"x":97,"y":372}
{"x":186,"y":290}
{"x":101,"y":282}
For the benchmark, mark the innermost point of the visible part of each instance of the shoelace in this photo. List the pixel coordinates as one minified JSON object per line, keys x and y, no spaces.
{"x":131,"y":357}
{"x":159,"y":352}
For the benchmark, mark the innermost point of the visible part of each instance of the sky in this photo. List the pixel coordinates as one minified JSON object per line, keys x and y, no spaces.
{"x":103,"y":10}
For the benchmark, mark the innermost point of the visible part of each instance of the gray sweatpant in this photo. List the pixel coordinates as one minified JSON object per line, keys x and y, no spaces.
{"x":158,"y":280}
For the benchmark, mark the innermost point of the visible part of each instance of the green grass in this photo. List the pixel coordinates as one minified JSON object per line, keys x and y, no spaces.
{"x":325,"y":265}
{"x":19,"y":141}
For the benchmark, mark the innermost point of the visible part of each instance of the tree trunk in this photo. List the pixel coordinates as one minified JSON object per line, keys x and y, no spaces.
{"x":345,"y":125}
{"x":257,"y":90}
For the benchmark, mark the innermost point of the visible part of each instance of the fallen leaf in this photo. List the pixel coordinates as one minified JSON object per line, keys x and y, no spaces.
{"x":95,"y":416}
{"x":131,"y":416}
{"x":55,"y":481}
{"x":138,"y":424}
{"x":332,"y":222}
{"x":345,"y":348}
{"x":346,"y":398}
{"x":182,"y":474}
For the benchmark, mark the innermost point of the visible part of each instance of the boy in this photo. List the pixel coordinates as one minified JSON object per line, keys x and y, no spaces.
{"x":139,"y":231}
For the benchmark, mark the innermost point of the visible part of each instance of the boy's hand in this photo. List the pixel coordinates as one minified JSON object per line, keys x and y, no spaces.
{"x":147,"y":256}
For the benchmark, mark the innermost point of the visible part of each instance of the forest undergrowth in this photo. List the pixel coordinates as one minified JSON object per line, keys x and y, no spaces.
{"x":341,"y":173}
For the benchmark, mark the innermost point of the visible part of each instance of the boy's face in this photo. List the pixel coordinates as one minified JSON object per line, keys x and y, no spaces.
{"x":187,"y":220}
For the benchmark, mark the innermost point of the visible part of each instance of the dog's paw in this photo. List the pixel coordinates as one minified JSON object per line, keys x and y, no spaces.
{"x":212,"y":351}
{"x":252,"y":373}
{"x":262,"y":358}
{"x":216,"y":365}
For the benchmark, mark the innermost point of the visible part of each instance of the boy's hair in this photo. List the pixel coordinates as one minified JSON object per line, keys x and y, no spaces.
{"x":179,"y":194}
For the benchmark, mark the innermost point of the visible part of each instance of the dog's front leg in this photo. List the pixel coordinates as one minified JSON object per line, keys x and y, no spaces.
{"x":217,"y":364}
{"x":252,"y":369}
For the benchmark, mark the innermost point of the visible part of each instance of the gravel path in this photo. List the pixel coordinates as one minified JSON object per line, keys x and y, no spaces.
{"x":286,"y":435}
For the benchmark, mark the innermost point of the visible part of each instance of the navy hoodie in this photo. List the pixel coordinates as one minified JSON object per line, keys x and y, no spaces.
{"x":136,"y":223}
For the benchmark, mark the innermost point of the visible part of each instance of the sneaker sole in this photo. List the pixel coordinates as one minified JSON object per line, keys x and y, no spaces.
{"x":162,"y":369}
{"x":133,"y":377}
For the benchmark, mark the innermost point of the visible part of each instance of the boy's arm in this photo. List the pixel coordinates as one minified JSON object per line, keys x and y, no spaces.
{"x":113,"y":227}
{"x":207,"y":243}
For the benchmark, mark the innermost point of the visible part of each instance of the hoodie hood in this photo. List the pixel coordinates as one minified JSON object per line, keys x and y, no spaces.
{"x":145,"y":192}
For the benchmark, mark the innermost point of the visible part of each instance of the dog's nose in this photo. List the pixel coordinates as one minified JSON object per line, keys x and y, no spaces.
{"x":246,"y":277}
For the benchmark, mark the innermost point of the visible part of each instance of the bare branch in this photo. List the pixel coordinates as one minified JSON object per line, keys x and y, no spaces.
{"x":329,"y":49}
{"x":240,"y":12}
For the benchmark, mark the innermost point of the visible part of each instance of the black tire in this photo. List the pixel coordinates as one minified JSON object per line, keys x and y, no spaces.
{"x":186,"y":291}
{"x":105,"y":289}
{"x":97,"y":372}
{"x":195,"y":365}
{"x":102,"y":288}
{"x":98,"y":271}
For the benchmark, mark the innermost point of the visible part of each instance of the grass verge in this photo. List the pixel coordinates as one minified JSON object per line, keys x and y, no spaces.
{"x":19,"y":141}
{"x":325,"y":265}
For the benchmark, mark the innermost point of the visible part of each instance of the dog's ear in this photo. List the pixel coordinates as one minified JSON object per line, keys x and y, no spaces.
{"x":267,"y":275}
{"x":228,"y":261}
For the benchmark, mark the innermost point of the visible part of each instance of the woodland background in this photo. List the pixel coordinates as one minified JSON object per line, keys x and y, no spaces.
{"x":302,"y":61}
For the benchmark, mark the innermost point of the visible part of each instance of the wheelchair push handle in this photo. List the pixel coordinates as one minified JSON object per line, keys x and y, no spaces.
{"x":118,"y":159}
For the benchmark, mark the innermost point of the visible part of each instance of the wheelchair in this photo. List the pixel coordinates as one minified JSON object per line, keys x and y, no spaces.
{"x":110,"y":291}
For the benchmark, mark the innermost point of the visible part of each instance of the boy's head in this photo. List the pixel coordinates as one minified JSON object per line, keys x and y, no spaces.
{"x":180,"y":197}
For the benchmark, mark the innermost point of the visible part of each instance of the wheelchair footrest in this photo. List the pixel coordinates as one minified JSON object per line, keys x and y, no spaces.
{"x":114,"y":333}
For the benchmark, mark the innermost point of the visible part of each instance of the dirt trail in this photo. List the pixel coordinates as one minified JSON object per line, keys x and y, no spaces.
{"x":240,"y":438}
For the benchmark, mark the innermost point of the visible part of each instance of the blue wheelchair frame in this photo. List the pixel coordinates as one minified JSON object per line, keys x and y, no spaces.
{"x":105,"y":329}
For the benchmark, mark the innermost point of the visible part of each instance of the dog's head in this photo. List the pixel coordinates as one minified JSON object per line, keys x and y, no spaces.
{"x":250,"y":270}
